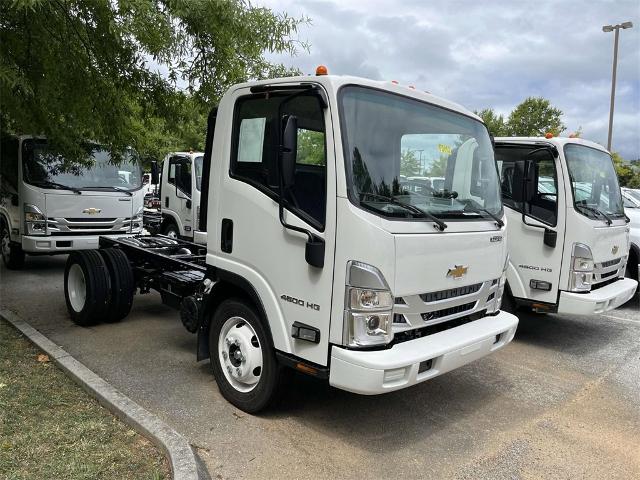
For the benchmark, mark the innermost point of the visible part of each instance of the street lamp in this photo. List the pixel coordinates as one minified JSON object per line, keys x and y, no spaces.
{"x":607,"y":29}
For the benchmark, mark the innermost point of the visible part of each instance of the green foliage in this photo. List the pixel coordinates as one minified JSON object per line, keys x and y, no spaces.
{"x":75,"y":70}
{"x":310,"y":147}
{"x":409,"y":164}
{"x":439,"y":167}
{"x":628,"y":174}
{"x":495,"y":123}
{"x":535,"y":117}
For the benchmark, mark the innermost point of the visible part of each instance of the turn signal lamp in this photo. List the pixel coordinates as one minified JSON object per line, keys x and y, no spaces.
{"x":322,"y":70}
{"x":548,"y":135}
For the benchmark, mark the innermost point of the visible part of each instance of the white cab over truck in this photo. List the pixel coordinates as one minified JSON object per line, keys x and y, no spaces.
{"x":48,"y":206}
{"x":317,"y":258}
{"x":568,"y":234}
{"x":179,"y":193}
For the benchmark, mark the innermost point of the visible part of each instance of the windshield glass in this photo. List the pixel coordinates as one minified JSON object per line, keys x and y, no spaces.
{"x":197,"y":164}
{"x":594,"y":181}
{"x":635,"y":194}
{"x":44,"y":167}
{"x":403,"y":151}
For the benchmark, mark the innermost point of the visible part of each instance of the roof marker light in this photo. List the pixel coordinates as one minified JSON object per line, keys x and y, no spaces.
{"x":412,"y":87}
{"x":395,"y":82}
{"x":322,"y":70}
{"x":548,"y":135}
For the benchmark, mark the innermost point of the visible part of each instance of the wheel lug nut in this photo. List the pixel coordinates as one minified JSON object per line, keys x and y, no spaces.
{"x":224,"y":355}
{"x":239,"y":372}
{"x":229,"y":369}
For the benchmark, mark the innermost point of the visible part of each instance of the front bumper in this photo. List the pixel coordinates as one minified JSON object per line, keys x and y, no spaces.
{"x":381,"y":371}
{"x":62,"y":244}
{"x":598,"y":301}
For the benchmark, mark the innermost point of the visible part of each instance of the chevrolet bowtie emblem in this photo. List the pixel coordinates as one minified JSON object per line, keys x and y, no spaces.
{"x":614,"y":250}
{"x":458,"y":272}
{"x":91,"y":211}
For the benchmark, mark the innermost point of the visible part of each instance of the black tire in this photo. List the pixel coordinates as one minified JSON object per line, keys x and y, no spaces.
{"x":632,"y":270}
{"x":86,"y":267}
{"x":266,"y":389}
{"x":12,"y":253}
{"x":122,"y":284}
{"x":171,"y":230}
{"x":508,"y":302}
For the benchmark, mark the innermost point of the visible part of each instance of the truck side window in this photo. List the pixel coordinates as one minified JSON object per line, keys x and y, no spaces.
{"x":544,"y":205}
{"x":9,"y":161}
{"x":255,"y":151}
{"x":185,"y":173}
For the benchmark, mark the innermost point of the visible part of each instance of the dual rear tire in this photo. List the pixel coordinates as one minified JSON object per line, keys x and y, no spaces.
{"x":98,"y":286}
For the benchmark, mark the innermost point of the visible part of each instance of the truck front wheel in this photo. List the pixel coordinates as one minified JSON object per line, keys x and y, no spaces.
{"x":242,"y":357}
{"x":86,"y":287}
{"x":12,"y":253}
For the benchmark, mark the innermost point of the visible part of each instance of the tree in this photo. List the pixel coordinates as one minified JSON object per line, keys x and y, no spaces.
{"x":628,"y":175}
{"x":310,"y":147}
{"x":75,"y":70}
{"x":495,"y":123}
{"x":409,"y":164}
{"x":535,"y":117}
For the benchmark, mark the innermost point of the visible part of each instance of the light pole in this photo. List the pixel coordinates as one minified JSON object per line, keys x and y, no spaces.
{"x":611,"y":28}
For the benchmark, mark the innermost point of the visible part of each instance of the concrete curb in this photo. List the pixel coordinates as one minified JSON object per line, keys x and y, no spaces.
{"x":185,"y":465}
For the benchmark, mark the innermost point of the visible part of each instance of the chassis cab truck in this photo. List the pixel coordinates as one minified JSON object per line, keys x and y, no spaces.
{"x":316,"y":257}
{"x":568,"y":234}
{"x":47,"y":207}
{"x":179,"y":193}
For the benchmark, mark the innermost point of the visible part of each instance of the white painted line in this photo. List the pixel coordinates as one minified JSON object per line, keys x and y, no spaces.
{"x":622,"y":319}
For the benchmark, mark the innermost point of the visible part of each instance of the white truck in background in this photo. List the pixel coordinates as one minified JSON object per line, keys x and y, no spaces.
{"x":316,"y":258}
{"x":568,"y":234}
{"x":49,"y":207}
{"x":179,"y":194}
{"x":631,"y":199}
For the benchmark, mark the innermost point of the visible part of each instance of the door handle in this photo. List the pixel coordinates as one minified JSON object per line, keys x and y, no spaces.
{"x":226,"y":240}
{"x":166,"y":202}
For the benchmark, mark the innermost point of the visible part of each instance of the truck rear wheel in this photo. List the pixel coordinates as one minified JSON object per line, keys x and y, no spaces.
{"x":122,"y":284}
{"x":86,"y":287}
{"x":12,"y":253}
{"x":242,"y":357}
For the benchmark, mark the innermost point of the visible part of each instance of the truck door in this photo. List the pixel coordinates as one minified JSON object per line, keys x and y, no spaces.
{"x":535,"y":227}
{"x":176,"y":194}
{"x":253,"y":242}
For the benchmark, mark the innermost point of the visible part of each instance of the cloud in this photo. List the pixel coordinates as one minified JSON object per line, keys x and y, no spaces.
{"x":486,"y":54}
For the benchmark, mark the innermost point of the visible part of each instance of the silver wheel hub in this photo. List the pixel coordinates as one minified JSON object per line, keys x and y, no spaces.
{"x":76,"y":288}
{"x":172,"y":234}
{"x":240,"y":354}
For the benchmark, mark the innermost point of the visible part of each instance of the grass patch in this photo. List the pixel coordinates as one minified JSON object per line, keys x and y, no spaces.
{"x":50,"y":428}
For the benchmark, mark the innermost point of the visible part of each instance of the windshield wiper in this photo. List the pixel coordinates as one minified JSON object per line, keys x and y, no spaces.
{"x":498,"y":220}
{"x":117,"y":188}
{"x":596,"y":210}
{"x":413,"y":209}
{"x":59,"y":186}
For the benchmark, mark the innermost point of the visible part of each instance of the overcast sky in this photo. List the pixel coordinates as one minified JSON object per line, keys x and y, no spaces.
{"x":486,"y":53}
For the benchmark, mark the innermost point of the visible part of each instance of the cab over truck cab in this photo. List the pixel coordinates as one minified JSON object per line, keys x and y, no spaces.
{"x":318,"y":258}
{"x":49,"y":207}
{"x":179,"y":192}
{"x":568,"y":234}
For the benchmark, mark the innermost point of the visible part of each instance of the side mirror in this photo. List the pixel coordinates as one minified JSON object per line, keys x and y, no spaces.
{"x":155,"y":177}
{"x":288,"y":151}
{"x":314,"y":252}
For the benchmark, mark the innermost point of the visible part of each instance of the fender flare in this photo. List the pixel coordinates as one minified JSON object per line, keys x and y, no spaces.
{"x":227,"y":285}
{"x":171,"y":217}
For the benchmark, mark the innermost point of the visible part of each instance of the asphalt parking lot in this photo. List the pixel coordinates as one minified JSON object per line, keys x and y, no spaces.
{"x":562,"y":401}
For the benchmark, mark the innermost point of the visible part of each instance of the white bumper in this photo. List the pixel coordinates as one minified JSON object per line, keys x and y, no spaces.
{"x":381,"y":371}
{"x":62,"y":244}
{"x":598,"y":301}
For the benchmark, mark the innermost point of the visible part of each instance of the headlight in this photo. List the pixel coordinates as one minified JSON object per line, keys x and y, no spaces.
{"x":35,"y":223}
{"x":581,"y":274}
{"x":368,"y":307}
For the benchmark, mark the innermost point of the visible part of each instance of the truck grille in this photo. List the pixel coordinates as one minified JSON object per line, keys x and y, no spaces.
{"x":431,"y":308}
{"x":88,"y":226}
{"x":606,"y":271}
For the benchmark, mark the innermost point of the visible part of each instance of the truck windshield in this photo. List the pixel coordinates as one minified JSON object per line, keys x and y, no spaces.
{"x":197,"y":164}
{"x":44,"y":167}
{"x":402,"y":150}
{"x":596,"y":193}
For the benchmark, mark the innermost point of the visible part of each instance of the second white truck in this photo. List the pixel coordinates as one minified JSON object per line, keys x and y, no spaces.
{"x":568,"y":234}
